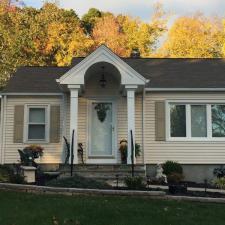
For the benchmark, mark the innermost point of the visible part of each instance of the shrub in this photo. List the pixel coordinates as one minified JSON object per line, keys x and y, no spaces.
{"x":78,"y":182}
{"x":170,"y":167}
{"x":174,"y":178}
{"x":7,"y":175}
{"x":219,"y":172}
{"x":4,"y":174}
{"x":220,"y":182}
{"x":134,"y":183}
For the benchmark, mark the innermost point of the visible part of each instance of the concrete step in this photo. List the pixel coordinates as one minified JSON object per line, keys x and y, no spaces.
{"x":104,"y":172}
{"x":110,"y":168}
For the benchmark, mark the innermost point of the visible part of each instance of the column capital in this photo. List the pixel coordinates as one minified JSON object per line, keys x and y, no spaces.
{"x":131,"y":87}
{"x":74,"y":86}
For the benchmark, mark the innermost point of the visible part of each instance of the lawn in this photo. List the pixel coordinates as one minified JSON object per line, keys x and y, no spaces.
{"x":30,"y":209}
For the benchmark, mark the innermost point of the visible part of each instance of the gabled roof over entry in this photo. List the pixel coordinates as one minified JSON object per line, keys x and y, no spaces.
{"x":129,"y":76}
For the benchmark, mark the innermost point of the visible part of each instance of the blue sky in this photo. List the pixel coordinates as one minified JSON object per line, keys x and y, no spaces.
{"x":142,"y":8}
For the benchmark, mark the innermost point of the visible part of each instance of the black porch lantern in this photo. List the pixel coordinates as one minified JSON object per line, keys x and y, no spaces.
{"x":102,"y":81}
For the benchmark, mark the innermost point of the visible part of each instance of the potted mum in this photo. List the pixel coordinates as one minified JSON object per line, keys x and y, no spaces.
{"x":123,"y":150}
{"x":28,"y":164}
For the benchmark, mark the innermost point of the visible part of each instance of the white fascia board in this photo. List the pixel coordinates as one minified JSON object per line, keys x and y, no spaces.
{"x":101,"y":54}
{"x":185,"y":89}
{"x":32,"y":94}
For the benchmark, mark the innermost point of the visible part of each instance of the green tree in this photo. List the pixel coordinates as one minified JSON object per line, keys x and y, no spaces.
{"x":89,"y":19}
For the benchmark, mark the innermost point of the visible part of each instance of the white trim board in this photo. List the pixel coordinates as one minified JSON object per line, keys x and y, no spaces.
{"x":26,"y":123}
{"x":185,"y":89}
{"x":188,"y":137}
{"x":32,"y":94}
{"x":76,"y":75}
{"x":101,"y":159}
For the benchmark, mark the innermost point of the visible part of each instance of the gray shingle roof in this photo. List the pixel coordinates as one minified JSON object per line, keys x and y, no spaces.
{"x":163,"y":73}
{"x":181,"y":73}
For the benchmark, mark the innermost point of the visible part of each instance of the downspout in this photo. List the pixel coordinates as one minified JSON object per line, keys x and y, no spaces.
{"x":2,"y":135}
{"x":143,"y":124}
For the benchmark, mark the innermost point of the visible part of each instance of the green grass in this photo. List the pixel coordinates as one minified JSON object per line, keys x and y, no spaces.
{"x":30,"y":209}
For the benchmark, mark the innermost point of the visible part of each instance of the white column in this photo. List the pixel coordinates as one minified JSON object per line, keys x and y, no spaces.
{"x":74,"y":89}
{"x":130,"y":119}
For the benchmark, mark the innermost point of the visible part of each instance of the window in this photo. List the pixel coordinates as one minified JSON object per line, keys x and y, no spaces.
{"x":196,"y":121}
{"x":178,"y":120}
{"x":218,"y":120}
{"x":37,"y":123}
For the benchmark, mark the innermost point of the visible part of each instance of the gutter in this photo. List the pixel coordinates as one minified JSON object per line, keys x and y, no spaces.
{"x":185,"y":89}
{"x":3,"y":100}
{"x":32,"y":94}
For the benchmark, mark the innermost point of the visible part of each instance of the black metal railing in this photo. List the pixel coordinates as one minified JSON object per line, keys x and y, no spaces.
{"x":72,"y":154}
{"x":132,"y":153}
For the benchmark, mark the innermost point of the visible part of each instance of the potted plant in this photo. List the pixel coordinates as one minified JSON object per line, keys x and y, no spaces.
{"x":174,"y":173}
{"x":28,"y":164}
{"x":123,"y":150}
{"x":31,"y":153}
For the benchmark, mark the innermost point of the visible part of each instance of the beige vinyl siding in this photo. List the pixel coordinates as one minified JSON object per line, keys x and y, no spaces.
{"x":187,"y":152}
{"x":52,"y":151}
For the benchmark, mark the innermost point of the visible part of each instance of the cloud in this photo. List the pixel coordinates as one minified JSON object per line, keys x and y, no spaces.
{"x":142,"y":8}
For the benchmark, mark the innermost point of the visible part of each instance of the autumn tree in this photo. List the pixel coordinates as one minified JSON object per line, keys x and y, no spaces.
{"x":46,"y":36}
{"x":123,"y":33}
{"x":193,"y":37}
{"x":107,"y":31}
{"x":223,"y":47}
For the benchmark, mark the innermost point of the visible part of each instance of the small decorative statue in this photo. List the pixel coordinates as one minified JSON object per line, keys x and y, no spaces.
{"x":123,"y":151}
{"x":159,"y":173}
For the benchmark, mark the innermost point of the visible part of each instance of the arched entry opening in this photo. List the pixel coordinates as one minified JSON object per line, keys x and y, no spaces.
{"x":102,"y":86}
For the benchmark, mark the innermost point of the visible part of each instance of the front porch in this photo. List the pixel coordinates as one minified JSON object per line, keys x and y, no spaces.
{"x":105,"y":94}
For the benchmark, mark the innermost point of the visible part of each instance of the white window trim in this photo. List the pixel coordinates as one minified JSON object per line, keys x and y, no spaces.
{"x":188,"y":120}
{"x":26,"y":123}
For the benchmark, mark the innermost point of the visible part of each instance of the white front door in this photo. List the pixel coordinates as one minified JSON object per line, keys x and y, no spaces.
{"x":102,"y":131}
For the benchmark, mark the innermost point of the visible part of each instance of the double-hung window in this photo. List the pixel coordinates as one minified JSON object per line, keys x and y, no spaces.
{"x":37,"y":123}
{"x":195,"y":121}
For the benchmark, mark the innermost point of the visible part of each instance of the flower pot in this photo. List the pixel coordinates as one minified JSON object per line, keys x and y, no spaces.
{"x":177,"y":188}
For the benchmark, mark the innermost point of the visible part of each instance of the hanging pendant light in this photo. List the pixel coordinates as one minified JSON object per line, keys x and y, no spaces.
{"x":102,"y":81}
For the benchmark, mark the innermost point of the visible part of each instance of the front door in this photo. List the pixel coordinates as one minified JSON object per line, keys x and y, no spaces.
{"x":102,"y":132}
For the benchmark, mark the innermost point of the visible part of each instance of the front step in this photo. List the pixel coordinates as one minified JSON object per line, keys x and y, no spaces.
{"x":104,"y":172}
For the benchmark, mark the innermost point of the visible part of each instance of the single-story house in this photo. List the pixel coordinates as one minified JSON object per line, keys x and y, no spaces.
{"x":173,"y":108}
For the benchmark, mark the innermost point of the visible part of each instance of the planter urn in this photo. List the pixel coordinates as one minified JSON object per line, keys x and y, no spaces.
{"x":29,"y":173}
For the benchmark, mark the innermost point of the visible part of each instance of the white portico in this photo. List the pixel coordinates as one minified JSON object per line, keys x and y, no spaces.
{"x":119,"y":79}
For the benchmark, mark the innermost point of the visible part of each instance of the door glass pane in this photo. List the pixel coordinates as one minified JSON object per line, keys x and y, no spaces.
{"x":198,"y":121}
{"x":101,"y":129}
{"x":218,"y":120}
{"x":177,"y":120}
{"x":36,"y":132}
{"x":37,"y":115}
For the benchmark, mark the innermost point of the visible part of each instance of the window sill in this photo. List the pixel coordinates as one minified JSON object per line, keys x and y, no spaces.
{"x":36,"y":142}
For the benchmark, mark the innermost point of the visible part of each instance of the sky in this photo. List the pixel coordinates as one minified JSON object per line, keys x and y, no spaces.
{"x":142,"y":8}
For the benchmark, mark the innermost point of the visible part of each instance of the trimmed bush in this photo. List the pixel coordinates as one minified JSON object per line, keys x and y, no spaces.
{"x":220,"y":182}
{"x":78,"y":182}
{"x":134,"y":183}
{"x":170,"y":167}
